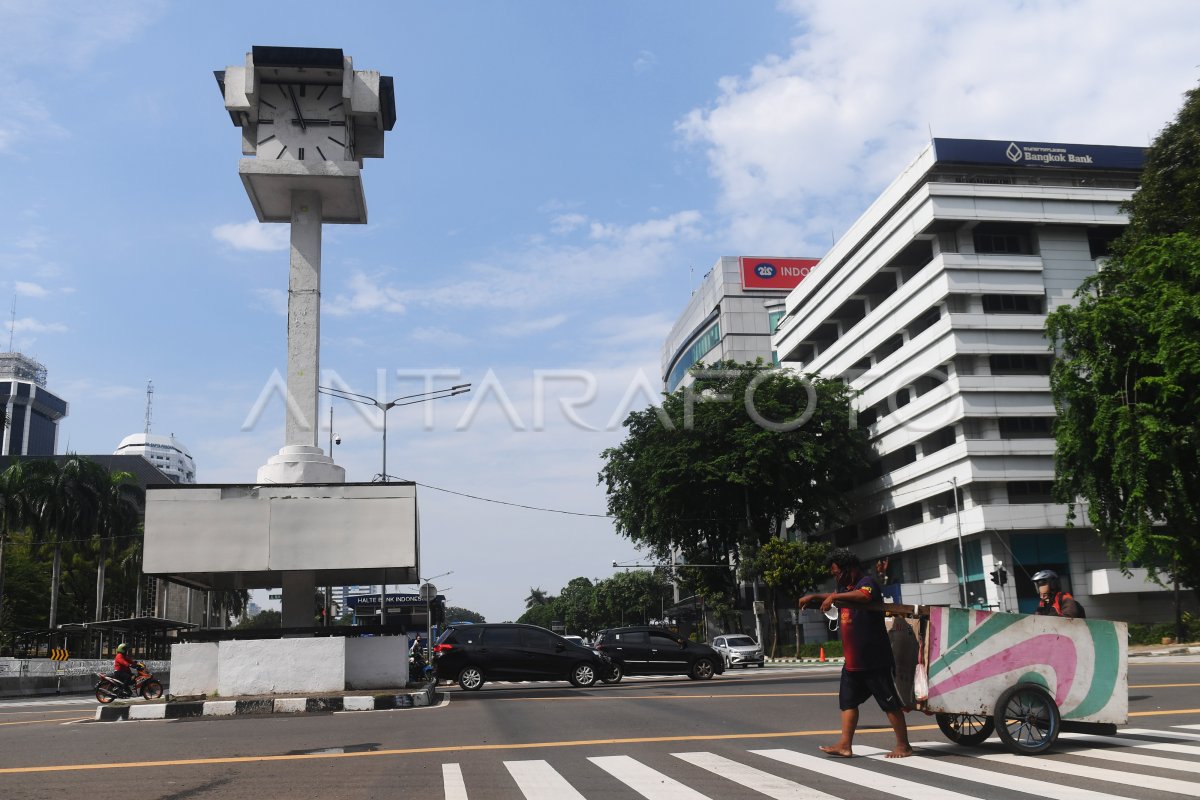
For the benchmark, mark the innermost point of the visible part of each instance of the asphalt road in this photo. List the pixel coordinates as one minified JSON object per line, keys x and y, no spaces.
{"x":746,"y":734}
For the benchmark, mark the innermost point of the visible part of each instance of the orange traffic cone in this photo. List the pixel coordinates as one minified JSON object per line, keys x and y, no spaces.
{"x":822,"y":659}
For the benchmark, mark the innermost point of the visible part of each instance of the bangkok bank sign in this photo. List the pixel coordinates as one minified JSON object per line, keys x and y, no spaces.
{"x":775,"y":273}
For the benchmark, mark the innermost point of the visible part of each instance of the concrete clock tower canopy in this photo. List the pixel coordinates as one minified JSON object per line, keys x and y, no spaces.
{"x":308,"y":119}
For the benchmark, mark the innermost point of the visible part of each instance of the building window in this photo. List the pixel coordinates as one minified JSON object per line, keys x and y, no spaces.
{"x":1030,"y":492}
{"x":707,"y":341}
{"x":773,"y":320}
{"x":1100,"y":240}
{"x":1003,"y":239}
{"x":1013,"y":304}
{"x":1026,"y":427}
{"x":1019,"y":364}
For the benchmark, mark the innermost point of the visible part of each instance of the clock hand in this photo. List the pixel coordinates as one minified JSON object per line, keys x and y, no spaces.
{"x":311,"y":121}
{"x":296,"y":106}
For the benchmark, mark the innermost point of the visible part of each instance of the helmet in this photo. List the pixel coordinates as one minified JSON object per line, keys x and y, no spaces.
{"x":1048,"y":575}
{"x":121,"y":647}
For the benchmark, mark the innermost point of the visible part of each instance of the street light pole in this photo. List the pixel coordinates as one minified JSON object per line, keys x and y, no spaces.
{"x":962,"y":570}
{"x":405,"y":400}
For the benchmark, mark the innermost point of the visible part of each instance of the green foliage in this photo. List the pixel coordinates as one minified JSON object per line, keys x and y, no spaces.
{"x":80,"y":518}
{"x":1168,"y":199}
{"x":1124,"y":382}
{"x":723,"y":462}
{"x":632,"y":597}
{"x":456,"y":614}
{"x":1154,"y":634}
{"x":543,"y":616}
{"x":794,"y":568}
{"x":261,"y":620}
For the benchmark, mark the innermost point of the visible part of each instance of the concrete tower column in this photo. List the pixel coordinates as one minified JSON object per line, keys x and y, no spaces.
{"x":301,"y":460}
{"x":304,"y":319}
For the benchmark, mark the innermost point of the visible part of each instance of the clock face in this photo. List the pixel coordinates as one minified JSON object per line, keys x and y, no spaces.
{"x":302,"y":122}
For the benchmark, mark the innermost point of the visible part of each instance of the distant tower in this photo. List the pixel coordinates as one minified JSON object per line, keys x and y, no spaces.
{"x":31,"y":412}
{"x":165,"y":452}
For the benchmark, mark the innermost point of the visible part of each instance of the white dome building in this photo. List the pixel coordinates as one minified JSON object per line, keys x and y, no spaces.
{"x":165,"y":452}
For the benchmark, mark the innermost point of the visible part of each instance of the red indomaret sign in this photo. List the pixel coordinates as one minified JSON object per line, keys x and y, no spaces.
{"x":775,"y":273}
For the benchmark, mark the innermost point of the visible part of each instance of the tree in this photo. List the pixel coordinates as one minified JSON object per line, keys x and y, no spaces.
{"x":725,"y":461}
{"x":791,"y":568}
{"x":537,"y":597}
{"x":456,"y":614}
{"x":1128,"y":364}
{"x":263,"y":619}
{"x":631,"y":596}
{"x":1128,"y":432}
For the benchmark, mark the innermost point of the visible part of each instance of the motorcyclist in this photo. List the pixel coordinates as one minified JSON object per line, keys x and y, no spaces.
{"x":123,"y":665}
{"x":1052,"y":600}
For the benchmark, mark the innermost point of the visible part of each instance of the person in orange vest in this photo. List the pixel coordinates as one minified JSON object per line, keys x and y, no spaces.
{"x":1052,"y":600}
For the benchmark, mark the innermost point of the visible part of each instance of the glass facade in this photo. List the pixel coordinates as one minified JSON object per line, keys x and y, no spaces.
{"x":707,"y":341}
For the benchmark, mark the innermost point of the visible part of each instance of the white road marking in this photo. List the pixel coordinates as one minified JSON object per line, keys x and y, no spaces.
{"x":538,"y":780}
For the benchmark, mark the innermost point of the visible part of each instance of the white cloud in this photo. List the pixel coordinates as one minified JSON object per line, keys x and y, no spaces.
{"x":520,"y":328}
{"x":61,"y":36}
{"x":441,"y":336}
{"x":566,"y":223}
{"x":274,"y":300}
{"x":253,"y":235}
{"x":27,"y":289}
{"x":538,"y":275}
{"x":30,"y":325}
{"x":802,"y":142}
{"x":644,"y":61}
{"x":367,"y":294}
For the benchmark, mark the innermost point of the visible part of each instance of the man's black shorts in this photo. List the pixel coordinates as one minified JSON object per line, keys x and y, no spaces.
{"x":858,"y":685}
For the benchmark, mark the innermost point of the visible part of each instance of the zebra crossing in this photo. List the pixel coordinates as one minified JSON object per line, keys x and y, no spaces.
{"x":1082,"y":767}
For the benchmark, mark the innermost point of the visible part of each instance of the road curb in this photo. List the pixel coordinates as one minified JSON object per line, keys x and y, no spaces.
{"x":385,"y":701}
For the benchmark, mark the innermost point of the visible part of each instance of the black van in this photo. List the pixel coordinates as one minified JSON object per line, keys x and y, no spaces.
{"x":472,"y":654}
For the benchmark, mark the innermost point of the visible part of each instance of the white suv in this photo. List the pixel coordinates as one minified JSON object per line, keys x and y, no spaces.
{"x":739,"y":650}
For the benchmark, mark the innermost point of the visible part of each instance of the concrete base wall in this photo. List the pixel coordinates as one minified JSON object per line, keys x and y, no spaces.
{"x":377,"y":663}
{"x":288,"y":666}
{"x":281,"y":666}
{"x":194,"y":667}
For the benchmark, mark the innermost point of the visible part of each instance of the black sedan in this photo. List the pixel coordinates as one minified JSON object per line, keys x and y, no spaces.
{"x":645,"y":650}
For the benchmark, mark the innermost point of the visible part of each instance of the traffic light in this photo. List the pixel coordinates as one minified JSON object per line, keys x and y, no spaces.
{"x":999,"y":576}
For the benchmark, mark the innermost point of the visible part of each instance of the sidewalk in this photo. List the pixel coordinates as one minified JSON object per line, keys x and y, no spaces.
{"x":321,"y":703}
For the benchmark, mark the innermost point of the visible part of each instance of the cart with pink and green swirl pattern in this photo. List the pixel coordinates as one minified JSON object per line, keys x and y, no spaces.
{"x":1028,"y":677}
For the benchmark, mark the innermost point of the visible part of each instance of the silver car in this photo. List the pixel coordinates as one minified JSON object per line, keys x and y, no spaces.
{"x":739,"y":650}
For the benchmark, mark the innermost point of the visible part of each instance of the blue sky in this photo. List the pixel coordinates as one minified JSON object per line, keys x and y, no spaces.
{"x":560,"y":176}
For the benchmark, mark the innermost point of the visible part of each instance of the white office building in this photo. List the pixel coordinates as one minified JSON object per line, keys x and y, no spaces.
{"x":933,"y":306}
{"x":731,"y":314}
{"x":165,"y":452}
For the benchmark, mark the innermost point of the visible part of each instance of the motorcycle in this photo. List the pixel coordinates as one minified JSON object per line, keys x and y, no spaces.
{"x":145,"y":684}
{"x":418,"y":667}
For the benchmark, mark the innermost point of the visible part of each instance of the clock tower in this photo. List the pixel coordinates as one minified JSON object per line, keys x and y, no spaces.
{"x":308,"y":119}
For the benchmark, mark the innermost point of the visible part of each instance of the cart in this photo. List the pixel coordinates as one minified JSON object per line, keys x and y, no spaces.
{"x":1027,"y":677}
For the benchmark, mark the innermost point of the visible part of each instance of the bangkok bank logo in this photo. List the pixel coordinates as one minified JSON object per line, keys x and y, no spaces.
{"x":1013,"y":152}
{"x":765,"y":270}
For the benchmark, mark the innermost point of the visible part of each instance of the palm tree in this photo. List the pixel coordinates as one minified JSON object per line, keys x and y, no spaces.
{"x":10,"y":515}
{"x":120,"y":511}
{"x":537,"y":597}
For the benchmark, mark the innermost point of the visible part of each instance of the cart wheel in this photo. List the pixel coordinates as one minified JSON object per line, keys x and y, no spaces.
{"x":1027,"y":719}
{"x":966,"y":729}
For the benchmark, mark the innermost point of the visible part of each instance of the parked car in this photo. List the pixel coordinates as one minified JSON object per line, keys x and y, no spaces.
{"x":739,"y":650}
{"x":575,"y":640}
{"x":645,"y":650}
{"x":473,"y":654}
